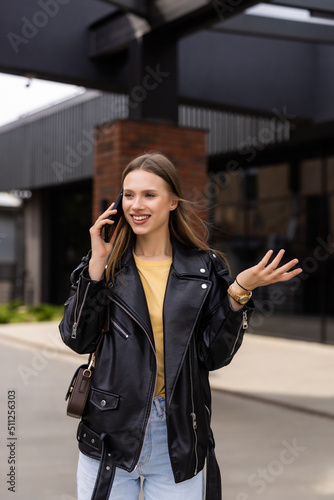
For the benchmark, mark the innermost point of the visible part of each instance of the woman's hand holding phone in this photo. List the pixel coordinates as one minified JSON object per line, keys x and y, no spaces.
{"x":101,"y":249}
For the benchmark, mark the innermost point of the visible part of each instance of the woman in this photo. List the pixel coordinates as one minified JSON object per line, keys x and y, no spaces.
{"x":173,"y":314}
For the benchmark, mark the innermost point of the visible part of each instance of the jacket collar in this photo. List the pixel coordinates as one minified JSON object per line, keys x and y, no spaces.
{"x":187,"y":261}
{"x":188,"y":264}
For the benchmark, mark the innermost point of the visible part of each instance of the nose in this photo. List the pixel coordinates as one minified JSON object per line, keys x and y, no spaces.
{"x":137,"y":203}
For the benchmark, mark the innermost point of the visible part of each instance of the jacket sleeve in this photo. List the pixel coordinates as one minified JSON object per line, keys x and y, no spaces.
{"x":85,"y":308}
{"x":222,"y":328}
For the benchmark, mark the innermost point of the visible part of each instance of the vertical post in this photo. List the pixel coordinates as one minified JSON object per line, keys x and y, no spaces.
{"x":153,"y":79}
{"x":323,"y":266}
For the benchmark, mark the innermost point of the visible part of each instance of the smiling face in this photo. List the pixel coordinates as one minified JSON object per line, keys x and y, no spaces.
{"x":147,"y":203}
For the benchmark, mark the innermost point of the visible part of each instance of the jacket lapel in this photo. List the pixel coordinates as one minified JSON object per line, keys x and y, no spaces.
{"x":186,"y":291}
{"x":129,"y":291}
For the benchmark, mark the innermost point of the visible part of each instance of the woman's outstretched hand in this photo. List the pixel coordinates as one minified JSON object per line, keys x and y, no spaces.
{"x":266,"y":274}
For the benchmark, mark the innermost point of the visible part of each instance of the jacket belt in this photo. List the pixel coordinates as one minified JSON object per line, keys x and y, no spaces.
{"x":105,"y":475}
{"x":213,"y":480}
{"x":95,"y":445}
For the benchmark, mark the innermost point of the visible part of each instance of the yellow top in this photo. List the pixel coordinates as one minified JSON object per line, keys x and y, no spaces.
{"x":154,"y":275}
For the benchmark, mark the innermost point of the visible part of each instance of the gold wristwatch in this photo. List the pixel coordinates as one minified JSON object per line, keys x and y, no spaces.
{"x":241,"y":299}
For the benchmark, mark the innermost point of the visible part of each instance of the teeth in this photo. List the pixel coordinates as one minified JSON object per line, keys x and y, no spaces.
{"x":141,"y":217}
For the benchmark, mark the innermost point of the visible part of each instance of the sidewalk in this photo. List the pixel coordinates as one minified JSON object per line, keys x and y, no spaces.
{"x":273,"y":412}
{"x":293,"y":373}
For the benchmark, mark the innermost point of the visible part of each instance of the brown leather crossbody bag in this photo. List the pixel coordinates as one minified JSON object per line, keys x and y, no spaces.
{"x":78,"y":390}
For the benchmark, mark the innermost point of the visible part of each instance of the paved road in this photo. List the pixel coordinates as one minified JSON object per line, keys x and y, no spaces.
{"x":266,"y":451}
{"x":45,"y":447}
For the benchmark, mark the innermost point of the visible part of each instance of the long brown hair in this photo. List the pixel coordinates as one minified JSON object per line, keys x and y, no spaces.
{"x":184,"y":224}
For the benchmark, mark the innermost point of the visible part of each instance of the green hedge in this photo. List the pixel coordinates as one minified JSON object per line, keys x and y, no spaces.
{"x":16,"y":312}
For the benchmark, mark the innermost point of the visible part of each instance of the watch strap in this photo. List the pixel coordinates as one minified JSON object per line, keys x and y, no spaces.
{"x":241,"y":299}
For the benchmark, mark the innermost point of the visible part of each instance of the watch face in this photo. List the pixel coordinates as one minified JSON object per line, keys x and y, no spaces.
{"x":244,"y":299}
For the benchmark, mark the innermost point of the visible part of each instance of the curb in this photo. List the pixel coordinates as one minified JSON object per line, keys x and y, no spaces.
{"x":274,"y":402}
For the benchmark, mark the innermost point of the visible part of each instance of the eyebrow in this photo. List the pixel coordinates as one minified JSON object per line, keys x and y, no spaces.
{"x":144,"y":190}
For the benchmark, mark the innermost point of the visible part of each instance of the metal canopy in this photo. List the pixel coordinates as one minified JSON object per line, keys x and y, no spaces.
{"x":325,"y":6}
{"x":162,"y":12}
{"x":109,"y":44}
{"x":176,"y":18}
{"x":139,"y":7}
{"x":278,"y":29}
{"x":99,"y":44}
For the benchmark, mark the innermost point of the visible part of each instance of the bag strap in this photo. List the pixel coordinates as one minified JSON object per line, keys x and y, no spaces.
{"x":105,"y":328}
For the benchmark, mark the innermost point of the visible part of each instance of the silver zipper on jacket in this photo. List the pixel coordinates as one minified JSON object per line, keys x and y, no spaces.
{"x":156,"y":365}
{"x":193,"y":414}
{"x":244,"y":326}
{"x":120,"y":329}
{"x":244,"y":320}
{"x":77,"y":319}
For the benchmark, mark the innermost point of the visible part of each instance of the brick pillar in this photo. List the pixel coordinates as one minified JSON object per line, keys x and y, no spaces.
{"x":121,"y":141}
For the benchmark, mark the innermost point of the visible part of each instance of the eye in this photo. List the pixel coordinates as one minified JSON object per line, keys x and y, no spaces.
{"x":127,"y":195}
{"x":150,"y":195}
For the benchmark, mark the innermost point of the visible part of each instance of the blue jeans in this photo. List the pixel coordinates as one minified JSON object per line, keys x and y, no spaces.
{"x":154,"y":466}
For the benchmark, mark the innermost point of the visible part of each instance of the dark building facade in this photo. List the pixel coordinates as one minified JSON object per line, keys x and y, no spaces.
{"x":267,"y":193}
{"x":241,"y":102}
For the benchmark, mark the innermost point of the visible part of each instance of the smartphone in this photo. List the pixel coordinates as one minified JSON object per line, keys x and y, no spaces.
{"x":109,"y":229}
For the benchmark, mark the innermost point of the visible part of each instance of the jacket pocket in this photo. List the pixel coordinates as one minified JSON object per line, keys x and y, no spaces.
{"x":119,"y":329}
{"x":104,"y":400}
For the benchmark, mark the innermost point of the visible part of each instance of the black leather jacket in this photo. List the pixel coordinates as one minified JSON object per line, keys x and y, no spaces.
{"x":201,"y":332}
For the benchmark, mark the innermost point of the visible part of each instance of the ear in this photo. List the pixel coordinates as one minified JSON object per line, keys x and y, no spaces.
{"x":173,"y":204}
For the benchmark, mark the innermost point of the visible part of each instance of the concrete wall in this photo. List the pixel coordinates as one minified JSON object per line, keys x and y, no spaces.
{"x":33,"y":249}
{"x":9,"y":254}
